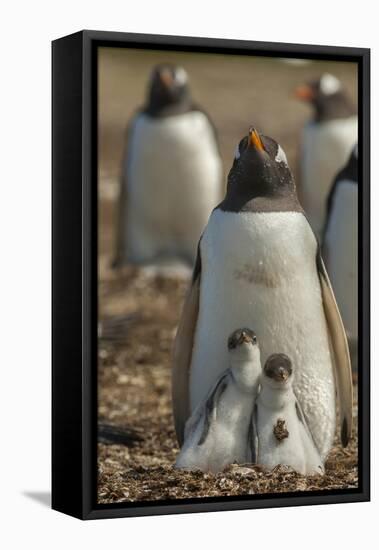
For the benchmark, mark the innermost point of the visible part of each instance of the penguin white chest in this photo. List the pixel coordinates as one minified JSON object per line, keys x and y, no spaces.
{"x":282,"y":438}
{"x":174,"y":180}
{"x":341,"y":242}
{"x":259,"y":271}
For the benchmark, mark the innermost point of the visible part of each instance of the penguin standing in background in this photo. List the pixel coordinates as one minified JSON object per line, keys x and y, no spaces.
{"x":218,"y":431}
{"x":326,"y":143}
{"x":171,"y":175}
{"x":283,"y":436}
{"x":340,"y":247}
{"x":259,"y":265}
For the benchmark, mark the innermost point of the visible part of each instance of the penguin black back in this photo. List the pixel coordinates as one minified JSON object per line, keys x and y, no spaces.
{"x":350,"y":170}
{"x":348,"y":173}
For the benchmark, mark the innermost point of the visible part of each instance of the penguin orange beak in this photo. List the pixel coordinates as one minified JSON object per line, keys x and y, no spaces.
{"x":166,"y":77}
{"x":304,"y":93}
{"x":255,"y":140}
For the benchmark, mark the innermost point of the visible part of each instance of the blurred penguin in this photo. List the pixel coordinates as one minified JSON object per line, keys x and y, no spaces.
{"x":326,"y":143}
{"x":340,"y":247}
{"x":171,"y":175}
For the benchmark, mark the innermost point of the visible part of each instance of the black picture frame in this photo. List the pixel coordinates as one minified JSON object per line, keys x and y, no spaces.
{"x":74,"y":272}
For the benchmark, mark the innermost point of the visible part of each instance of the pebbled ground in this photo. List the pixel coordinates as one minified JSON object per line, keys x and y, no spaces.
{"x":138,"y":322}
{"x":139,"y":311}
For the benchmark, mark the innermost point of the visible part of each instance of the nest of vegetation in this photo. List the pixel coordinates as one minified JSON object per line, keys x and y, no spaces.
{"x":139,"y":312}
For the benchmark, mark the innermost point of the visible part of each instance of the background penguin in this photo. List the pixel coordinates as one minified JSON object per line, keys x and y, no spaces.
{"x":259,"y":265}
{"x":171,"y":174}
{"x":340,"y":247}
{"x":326,"y":143}
{"x":217,"y":433}
{"x":282,"y":432}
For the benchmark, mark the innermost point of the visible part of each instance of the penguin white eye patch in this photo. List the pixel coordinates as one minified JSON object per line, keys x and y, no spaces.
{"x":281,"y":156}
{"x":181,"y":76}
{"x":329,"y":84}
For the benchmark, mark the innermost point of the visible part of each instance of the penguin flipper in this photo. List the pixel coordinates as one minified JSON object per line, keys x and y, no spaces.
{"x":119,"y":255}
{"x":301,"y":416}
{"x":193,"y":421}
{"x":340,"y":352}
{"x":253,"y":436}
{"x":315,"y":466}
{"x":182,"y":356}
{"x":210,"y":409}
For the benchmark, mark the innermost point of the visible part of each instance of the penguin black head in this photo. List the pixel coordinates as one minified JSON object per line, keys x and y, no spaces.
{"x":278,"y":368}
{"x":240,"y":337}
{"x":328,"y":98}
{"x":168,"y":91}
{"x":259,"y":172}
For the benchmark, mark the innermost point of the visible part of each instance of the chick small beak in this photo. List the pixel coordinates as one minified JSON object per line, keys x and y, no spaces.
{"x":255,"y":140}
{"x":282,"y":373}
{"x":244,"y":336}
{"x":304,"y":93}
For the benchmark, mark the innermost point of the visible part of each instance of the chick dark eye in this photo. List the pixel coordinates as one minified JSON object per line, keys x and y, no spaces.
{"x":254,"y":339}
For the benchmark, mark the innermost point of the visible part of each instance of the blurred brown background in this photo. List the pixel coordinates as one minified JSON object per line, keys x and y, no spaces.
{"x":139,"y":312}
{"x":236,"y":91}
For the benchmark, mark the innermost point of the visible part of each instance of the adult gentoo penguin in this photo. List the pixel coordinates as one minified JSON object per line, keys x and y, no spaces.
{"x":282,"y":433}
{"x":340,"y":247}
{"x":218,"y":432}
{"x":326,"y":143}
{"x":259,"y":265}
{"x":171,"y":174}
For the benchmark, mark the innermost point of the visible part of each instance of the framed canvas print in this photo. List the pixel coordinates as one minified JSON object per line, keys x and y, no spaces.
{"x":210,"y":274}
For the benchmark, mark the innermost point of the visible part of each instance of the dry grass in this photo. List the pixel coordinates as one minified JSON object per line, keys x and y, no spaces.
{"x":134,"y":392}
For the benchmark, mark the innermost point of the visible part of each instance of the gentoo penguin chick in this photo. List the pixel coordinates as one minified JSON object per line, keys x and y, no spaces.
{"x":217,"y":433}
{"x":340,"y":247}
{"x":280,"y":426}
{"x":259,"y":265}
{"x":171,"y":174}
{"x":326,"y":143}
